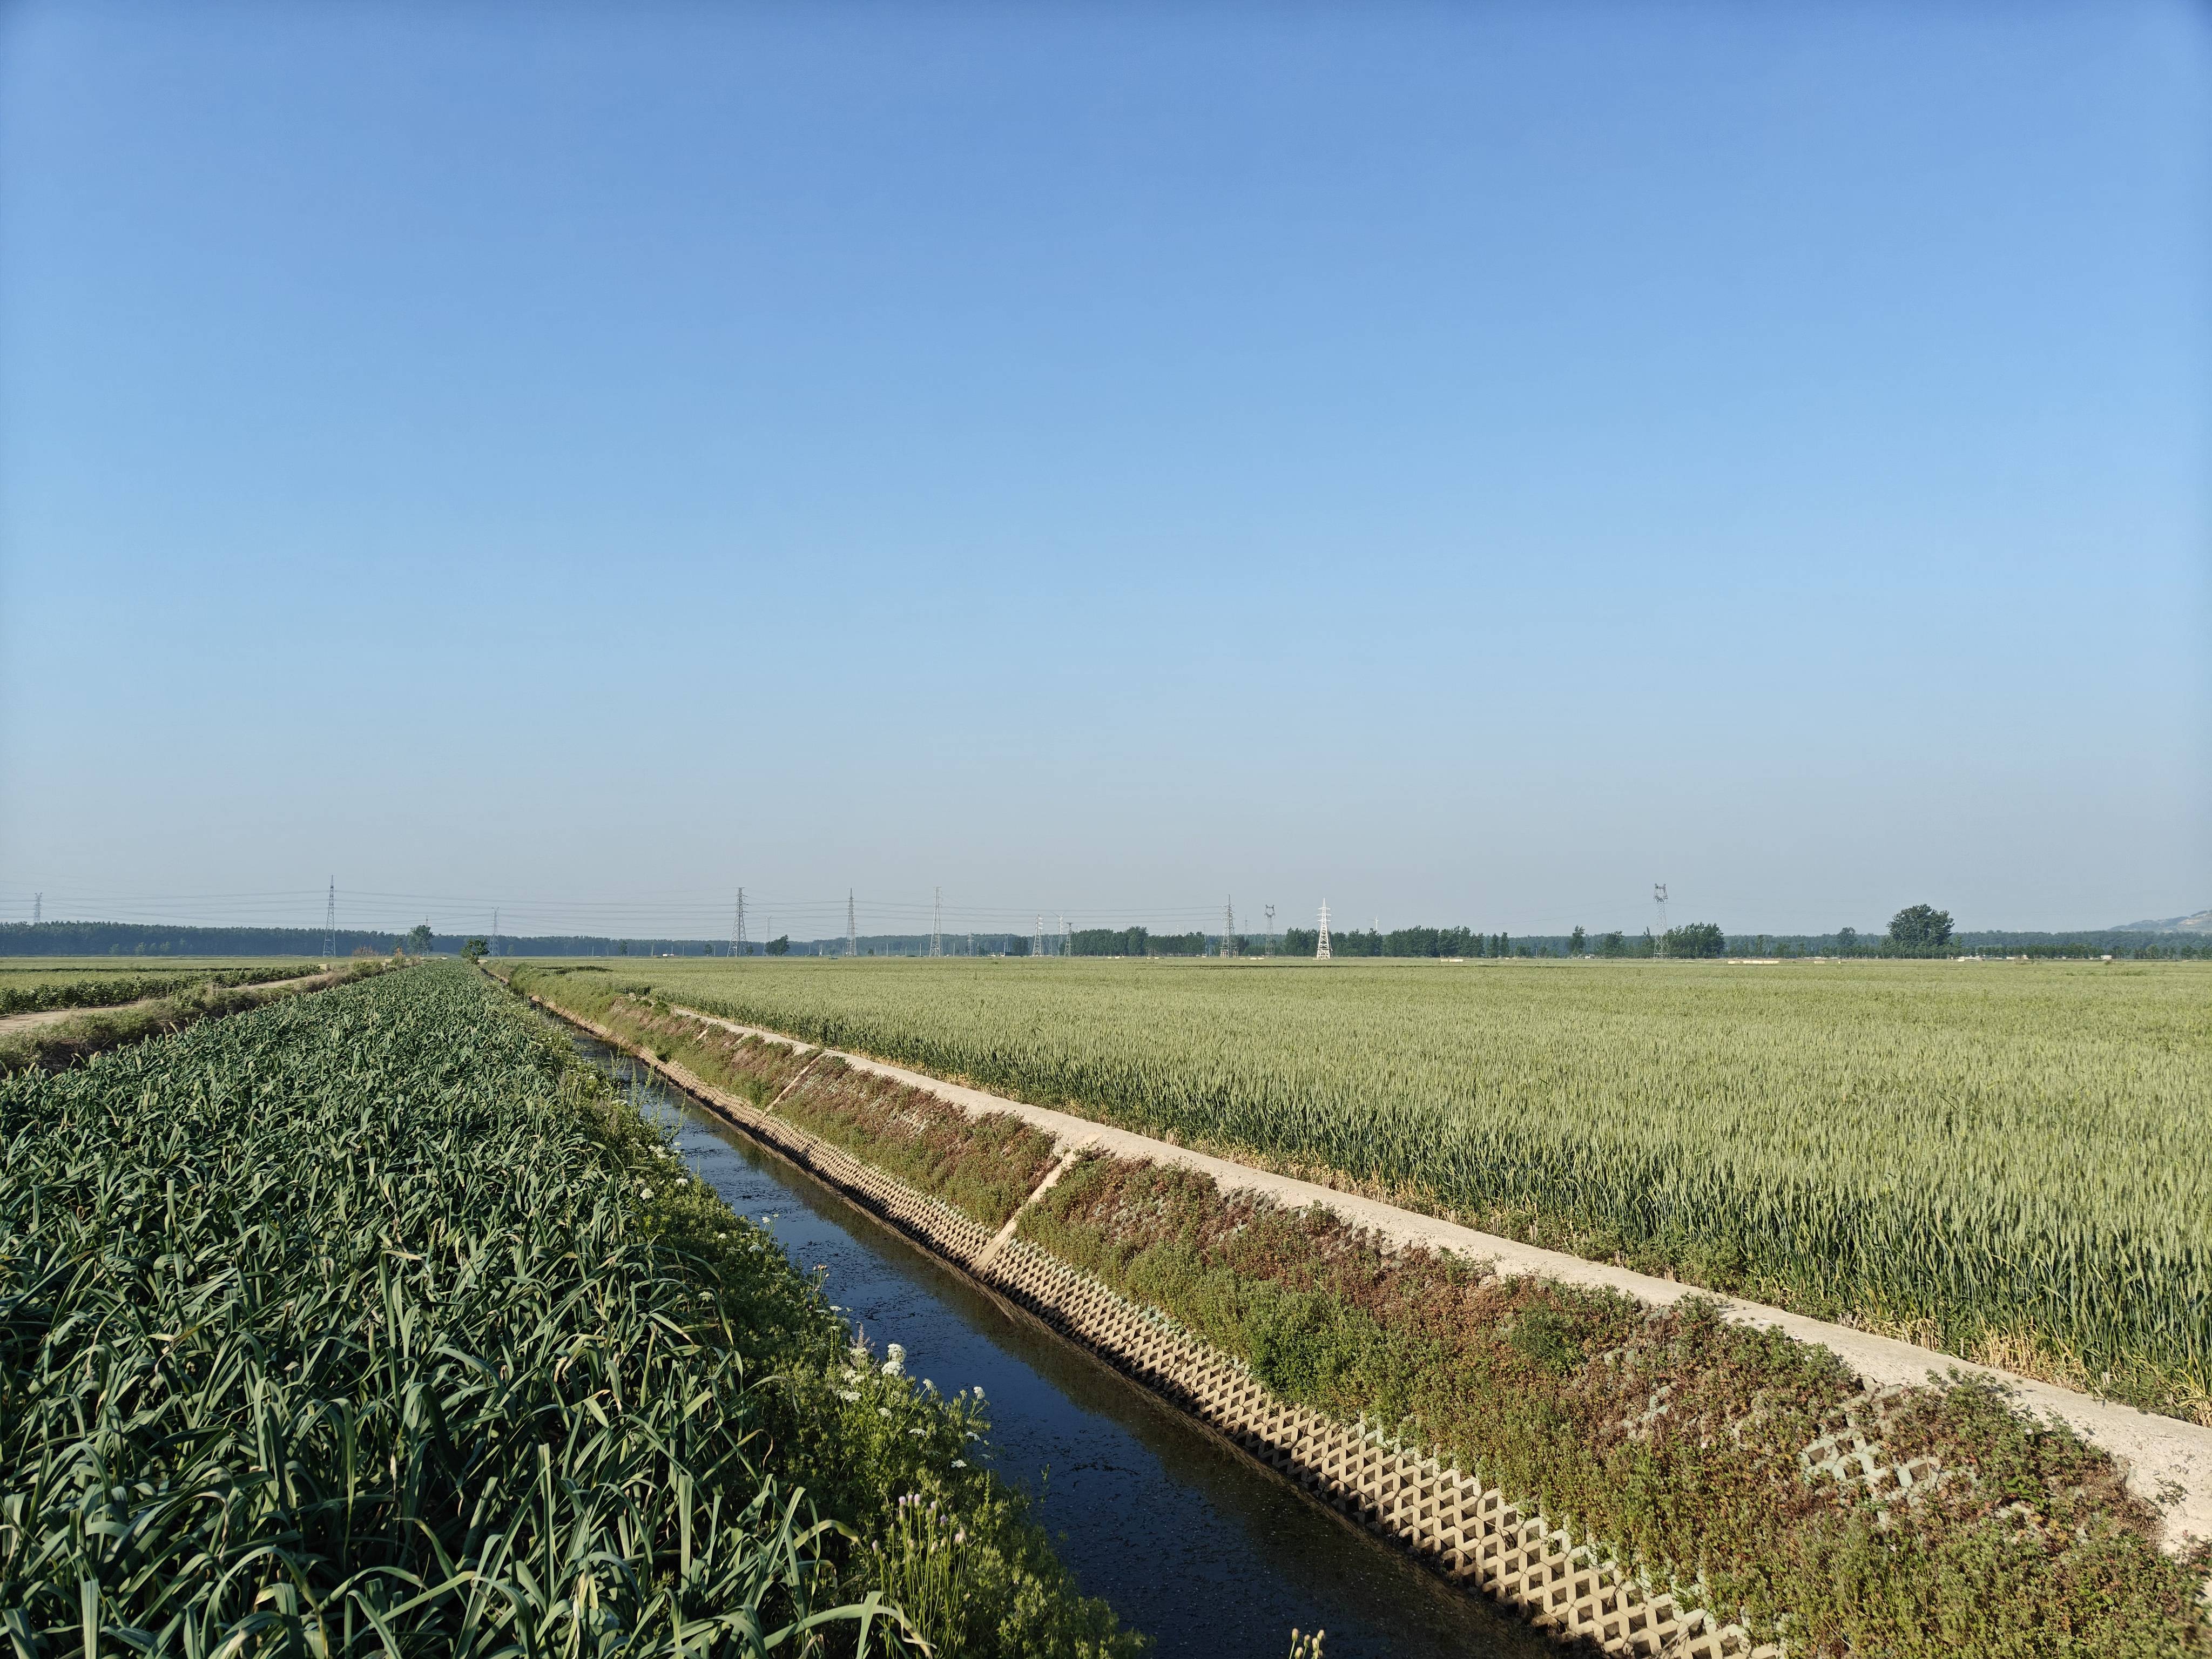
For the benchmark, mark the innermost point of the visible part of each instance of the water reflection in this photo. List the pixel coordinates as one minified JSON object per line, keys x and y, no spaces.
{"x":1186,"y":1538}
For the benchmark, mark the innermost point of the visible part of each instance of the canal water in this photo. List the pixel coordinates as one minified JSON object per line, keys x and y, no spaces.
{"x":1185,"y":1539}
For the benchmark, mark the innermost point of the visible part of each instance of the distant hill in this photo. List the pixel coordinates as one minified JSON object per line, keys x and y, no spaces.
{"x":2199,"y":923}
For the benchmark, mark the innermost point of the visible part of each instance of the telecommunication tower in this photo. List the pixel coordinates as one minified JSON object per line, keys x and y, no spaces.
{"x":331,"y":922}
{"x":852,"y":929}
{"x":937,"y":922}
{"x":1322,"y":955}
{"x":1659,"y":903}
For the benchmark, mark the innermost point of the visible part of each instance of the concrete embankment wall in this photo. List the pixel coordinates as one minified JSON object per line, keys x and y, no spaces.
{"x":1471,"y":1534}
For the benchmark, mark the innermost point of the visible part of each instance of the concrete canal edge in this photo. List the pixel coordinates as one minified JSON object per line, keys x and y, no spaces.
{"x":2166,"y":1463}
{"x":1474,"y":1535}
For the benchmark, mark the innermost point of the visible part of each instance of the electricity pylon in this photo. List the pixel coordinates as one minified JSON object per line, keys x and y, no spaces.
{"x":1322,"y":955}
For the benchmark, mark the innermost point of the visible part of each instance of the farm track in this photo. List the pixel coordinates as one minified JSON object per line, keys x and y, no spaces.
{"x":38,"y":1018}
{"x":2167,"y":1462}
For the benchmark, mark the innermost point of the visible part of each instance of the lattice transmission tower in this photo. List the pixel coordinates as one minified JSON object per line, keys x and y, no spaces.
{"x":1659,"y":903}
{"x":739,"y":945}
{"x":1322,"y":955}
{"x":331,"y":922}
{"x":852,"y":928}
{"x":1037,"y":942}
{"x":937,"y":922}
{"x":1228,"y":926}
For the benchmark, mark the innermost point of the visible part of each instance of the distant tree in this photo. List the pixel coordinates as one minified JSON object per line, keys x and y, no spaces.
{"x":780,"y":946}
{"x":1697,"y":939}
{"x":1612,"y":943}
{"x":1647,"y":947}
{"x":1847,"y":939}
{"x":418,"y":938}
{"x":1575,"y":944}
{"x":474,"y":951}
{"x":1920,"y":927}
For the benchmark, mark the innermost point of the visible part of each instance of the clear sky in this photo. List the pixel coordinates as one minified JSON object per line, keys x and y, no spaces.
{"x":1465,"y":463}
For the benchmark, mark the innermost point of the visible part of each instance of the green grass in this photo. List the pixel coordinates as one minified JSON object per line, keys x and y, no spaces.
{"x":2007,"y":1160}
{"x":2028,"y":1543}
{"x":370,"y":1322}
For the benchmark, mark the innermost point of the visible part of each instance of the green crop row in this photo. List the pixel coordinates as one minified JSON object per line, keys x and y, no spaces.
{"x":2006,"y":1160}
{"x":368,"y":1323}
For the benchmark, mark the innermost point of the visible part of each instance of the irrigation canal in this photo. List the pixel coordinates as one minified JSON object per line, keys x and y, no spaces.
{"x":1186,"y":1538}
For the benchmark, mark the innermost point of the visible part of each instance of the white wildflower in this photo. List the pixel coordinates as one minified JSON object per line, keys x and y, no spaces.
{"x":895,"y":1360}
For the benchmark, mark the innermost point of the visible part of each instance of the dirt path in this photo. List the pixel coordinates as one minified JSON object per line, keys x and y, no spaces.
{"x":32,"y":1021}
{"x":2163,"y":1458}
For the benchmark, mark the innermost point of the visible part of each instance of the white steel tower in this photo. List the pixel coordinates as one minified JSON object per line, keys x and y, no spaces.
{"x":331,"y":922}
{"x":1659,"y":903}
{"x":1322,"y":955}
{"x":852,"y":931}
{"x":937,"y":922}
{"x":1228,"y":926}
{"x":1036,"y":944}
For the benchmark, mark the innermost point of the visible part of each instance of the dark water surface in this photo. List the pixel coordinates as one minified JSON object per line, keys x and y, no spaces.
{"x":1187,"y":1540}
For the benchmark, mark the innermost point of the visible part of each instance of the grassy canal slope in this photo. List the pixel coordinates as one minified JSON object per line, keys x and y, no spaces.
{"x":1690,"y":1448}
{"x":369,"y":1322}
{"x":2006,"y":1161}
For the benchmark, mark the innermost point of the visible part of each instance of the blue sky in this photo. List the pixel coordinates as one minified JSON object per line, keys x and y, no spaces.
{"x":1463,"y":463}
